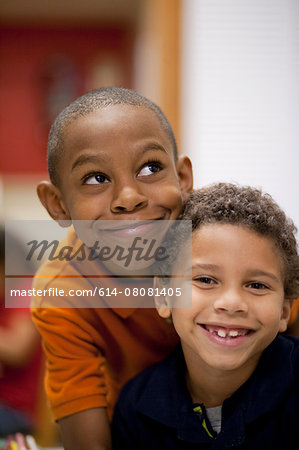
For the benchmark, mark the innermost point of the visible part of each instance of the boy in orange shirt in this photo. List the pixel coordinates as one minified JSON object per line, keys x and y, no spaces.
{"x":111,"y":156}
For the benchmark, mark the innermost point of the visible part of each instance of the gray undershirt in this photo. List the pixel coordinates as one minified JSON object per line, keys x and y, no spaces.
{"x":214,"y":415}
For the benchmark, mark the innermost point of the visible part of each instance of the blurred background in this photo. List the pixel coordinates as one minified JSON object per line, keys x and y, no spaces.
{"x":225,"y":72}
{"x":52,"y":51}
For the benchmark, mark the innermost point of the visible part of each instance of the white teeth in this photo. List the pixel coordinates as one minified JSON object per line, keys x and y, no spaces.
{"x":227,"y":333}
{"x":221,"y":333}
{"x":233,"y":333}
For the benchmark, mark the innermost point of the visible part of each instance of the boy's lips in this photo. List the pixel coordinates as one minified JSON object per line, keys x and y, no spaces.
{"x":129,"y":228}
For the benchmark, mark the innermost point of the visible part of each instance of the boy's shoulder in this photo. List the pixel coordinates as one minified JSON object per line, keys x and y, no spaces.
{"x":174,"y":363}
{"x":165,"y":380}
{"x":55,"y":266}
{"x":157,"y":388}
{"x":273,"y":388}
{"x":70,"y":259}
{"x":280,"y":361}
{"x":69,"y":269}
{"x":158,"y":396}
{"x":285,"y":351}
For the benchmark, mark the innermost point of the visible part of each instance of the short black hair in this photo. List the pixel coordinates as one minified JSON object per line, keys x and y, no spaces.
{"x":229,"y":203}
{"x":86,"y":104}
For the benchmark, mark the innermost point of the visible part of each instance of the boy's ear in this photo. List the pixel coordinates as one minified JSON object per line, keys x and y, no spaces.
{"x":161,"y":301}
{"x":51,"y":198}
{"x":285,"y":314}
{"x":184,"y":171}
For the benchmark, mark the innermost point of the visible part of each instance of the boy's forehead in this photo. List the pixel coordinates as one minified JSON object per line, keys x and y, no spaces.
{"x":115,"y":116}
{"x":210,"y":237}
{"x":132,"y":119}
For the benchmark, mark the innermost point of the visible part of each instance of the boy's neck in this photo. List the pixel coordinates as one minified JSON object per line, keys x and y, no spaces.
{"x":209,"y":391}
{"x":210,"y":386}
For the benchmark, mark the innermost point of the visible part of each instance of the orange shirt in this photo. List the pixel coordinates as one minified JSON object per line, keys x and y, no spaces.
{"x":294,"y":312}
{"x":91,"y":352}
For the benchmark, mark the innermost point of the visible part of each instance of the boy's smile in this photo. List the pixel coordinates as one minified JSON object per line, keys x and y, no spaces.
{"x":119,"y":164}
{"x":238,"y":304}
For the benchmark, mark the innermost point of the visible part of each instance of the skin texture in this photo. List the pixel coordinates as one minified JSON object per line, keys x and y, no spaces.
{"x":237,"y":283}
{"x":118,"y":164}
{"x":91,"y":423}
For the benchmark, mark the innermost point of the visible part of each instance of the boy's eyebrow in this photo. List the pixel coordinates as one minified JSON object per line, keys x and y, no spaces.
{"x":205,"y":266}
{"x":153,"y":146}
{"x":250,"y":273}
{"x":258,"y":273}
{"x":83,"y":159}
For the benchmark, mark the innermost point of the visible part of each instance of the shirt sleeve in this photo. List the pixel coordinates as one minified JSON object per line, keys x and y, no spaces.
{"x":75,"y":370}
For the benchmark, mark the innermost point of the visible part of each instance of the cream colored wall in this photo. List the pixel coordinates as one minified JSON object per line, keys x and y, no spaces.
{"x":18,"y":198}
{"x":240,"y":94}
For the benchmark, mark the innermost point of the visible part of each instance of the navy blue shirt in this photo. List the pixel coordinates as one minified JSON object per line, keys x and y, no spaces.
{"x":155,"y":410}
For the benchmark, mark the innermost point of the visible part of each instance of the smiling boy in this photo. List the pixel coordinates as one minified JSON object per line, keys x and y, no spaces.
{"x":111,"y":156}
{"x":104,"y":148}
{"x":234,"y":381}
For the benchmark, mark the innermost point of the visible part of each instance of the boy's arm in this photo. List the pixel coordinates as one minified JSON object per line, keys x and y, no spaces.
{"x":75,"y":382}
{"x":88,"y":430}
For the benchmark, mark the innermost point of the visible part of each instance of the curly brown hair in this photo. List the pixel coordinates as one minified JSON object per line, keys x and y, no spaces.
{"x":229,"y":203}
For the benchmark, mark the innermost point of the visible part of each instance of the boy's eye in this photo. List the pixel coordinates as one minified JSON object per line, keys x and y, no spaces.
{"x":150,"y":168}
{"x":205,"y":280}
{"x":97,"y":178}
{"x":257,"y":285}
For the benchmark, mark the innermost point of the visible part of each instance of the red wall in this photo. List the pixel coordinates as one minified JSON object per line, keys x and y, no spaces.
{"x":29,"y":80}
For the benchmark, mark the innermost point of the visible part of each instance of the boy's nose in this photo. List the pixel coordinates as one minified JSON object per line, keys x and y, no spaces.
{"x":231,"y":302}
{"x":127,"y":199}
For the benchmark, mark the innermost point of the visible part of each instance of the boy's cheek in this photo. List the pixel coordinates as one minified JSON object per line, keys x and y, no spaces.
{"x":171,"y":197}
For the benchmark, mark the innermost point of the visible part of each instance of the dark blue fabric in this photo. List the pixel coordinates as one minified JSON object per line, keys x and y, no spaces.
{"x":155,"y":410}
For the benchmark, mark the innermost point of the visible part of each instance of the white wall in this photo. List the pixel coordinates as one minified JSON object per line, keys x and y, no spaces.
{"x":240,"y":94}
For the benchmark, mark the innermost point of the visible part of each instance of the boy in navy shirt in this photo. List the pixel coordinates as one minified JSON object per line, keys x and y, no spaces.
{"x":234,"y":380}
